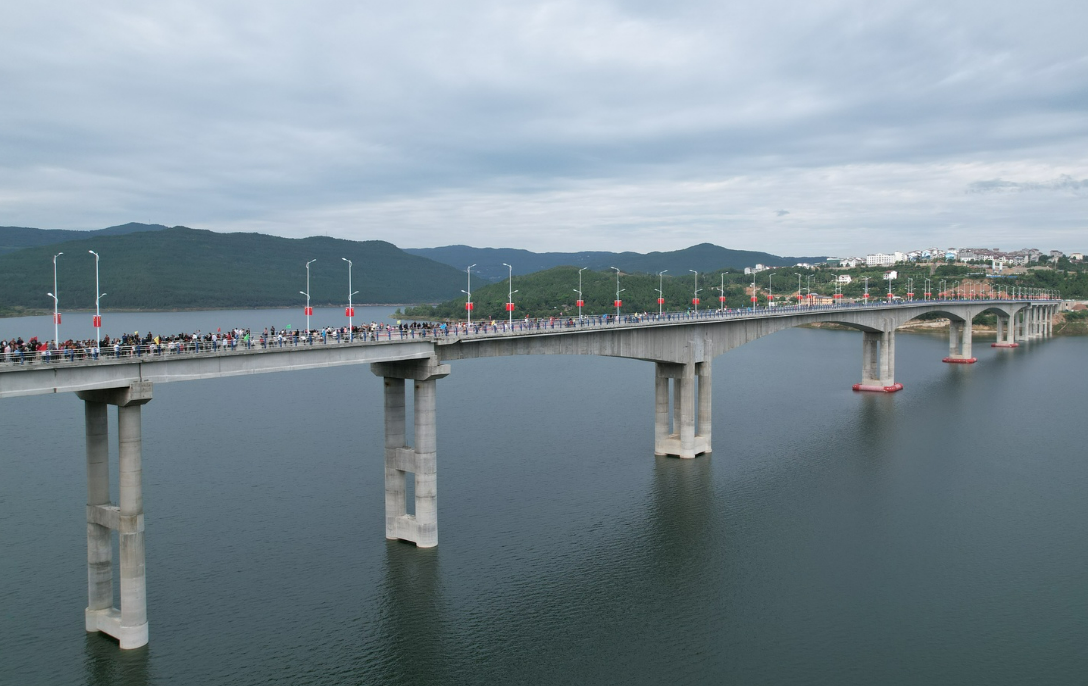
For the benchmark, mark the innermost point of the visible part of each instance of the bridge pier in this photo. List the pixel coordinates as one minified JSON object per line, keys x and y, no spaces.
{"x":128,"y":624}
{"x":1006,"y":332}
{"x":959,"y":342}
{"x":420,"y":460}
{"x":683,"y":438}
{"x":878,"y":362}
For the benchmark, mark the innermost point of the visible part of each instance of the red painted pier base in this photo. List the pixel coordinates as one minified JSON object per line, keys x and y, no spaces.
{"x":960,"y":360}
{"x":878,"y":389}
{"x":1004,"y":345}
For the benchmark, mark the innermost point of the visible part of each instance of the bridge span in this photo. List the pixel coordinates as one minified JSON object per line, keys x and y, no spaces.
{"x":681,"y":346}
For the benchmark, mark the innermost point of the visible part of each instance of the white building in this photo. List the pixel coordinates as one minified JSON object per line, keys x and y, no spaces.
{"x":1076,"y":256}
{"x":844,"y":278}
{"x":879,"y":260}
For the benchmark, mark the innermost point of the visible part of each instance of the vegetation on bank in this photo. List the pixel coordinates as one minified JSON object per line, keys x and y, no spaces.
{"x":552,"y":292}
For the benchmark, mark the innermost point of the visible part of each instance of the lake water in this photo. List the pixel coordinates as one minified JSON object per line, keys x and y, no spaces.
{"x":934,"y":536}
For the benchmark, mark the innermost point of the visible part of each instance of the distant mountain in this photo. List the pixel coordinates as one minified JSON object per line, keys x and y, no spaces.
{"x":18,"y":237}
{"x":704,"y":257}
{"x":181,"y":267}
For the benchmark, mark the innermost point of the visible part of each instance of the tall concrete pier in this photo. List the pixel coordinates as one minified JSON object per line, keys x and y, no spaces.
{"x":420,"y":527}
{"x":683,"y":438}
{"x":128,"y":624}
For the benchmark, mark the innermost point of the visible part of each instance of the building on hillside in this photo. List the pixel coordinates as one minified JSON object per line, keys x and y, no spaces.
{"x":879,"y":260}
{"x":844,"y":278}
{"x":1076,"y":256}
{"x":899,"y":256}
{"x":950,"y":255}
{"x":1056,"y":255}
{"x":891,"y":275}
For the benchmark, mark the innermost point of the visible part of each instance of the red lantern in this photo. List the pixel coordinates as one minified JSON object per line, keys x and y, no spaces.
{"x":309,"y":311}
{"x":349,"y":311}
{"x":97,"y":321}
{"x":891,"y":295}
{"x":509,"y":307}
{"x":753,"y":298}
{"x":910,"y":295}
{"x":56,"y":318}
{"x":866,"y":296}
{"x":721,"y":298}
{"x":694,"y":301}
{"x":617,"y":303}
{"x":928,"y":294}
{"x":660,"y":301}
{"x":838,"y":295}
{"x":468,"y":306}
{"x":581,"y":303}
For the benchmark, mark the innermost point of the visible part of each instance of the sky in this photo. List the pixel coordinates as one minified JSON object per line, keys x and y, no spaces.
{"x":796,"y":128}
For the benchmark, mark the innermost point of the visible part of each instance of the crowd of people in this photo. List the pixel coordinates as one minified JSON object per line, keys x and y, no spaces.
{"x":34,"y":350}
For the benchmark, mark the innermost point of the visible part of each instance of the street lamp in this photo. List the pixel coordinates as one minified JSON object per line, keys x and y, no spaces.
{"x":798,"y":275}
{"x":510,"y":297}
{"x":695,"y":298}
{"x":97,"y":322}
{"x":721,"y":294}
{"x":310,"y":310}
{"x":56,"y":312}
{"x":618,"y":291}
{"x":866,"y":289}
{"x":351,"y":310}
{"x":581,"y":301}
{"x":927,"y":292}
{"x":468,"y":303}
{"x":808,"y":287}
{"x":660,"y":292}
{"x":770,"y":289}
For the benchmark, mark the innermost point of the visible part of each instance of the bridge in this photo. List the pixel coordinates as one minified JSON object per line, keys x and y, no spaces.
{"x":682,"y":347}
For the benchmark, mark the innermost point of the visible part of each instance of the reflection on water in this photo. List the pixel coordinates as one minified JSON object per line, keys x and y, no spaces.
{"x":107,"y":665}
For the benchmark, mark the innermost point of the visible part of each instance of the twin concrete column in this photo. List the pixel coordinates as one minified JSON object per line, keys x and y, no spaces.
{"x":959,"y":342}
{"x":128,"y":624}
{"x":420,"y":527}
{"x":684,"y":438}
{"x":878,"y":362}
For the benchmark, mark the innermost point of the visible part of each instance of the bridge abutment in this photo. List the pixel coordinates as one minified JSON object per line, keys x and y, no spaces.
{"x":683,"y":438}
{"x":420,"y":460}
{"x":128,"y":624}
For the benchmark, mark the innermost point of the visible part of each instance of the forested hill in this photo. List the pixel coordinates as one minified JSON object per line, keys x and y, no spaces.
{"x":181,"y":267}
{"x":704,"y":257}
{"x":14,"y":238}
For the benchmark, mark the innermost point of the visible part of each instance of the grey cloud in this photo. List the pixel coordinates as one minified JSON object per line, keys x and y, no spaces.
{"x":782,"y":213}
{"x":285,"y":115}
{"x":1064,"y":182}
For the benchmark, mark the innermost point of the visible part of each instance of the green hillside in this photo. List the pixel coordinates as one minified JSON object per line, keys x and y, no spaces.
{"x":14,"y":238}
{"x":704,"y":257}
{"x":187,"y":268}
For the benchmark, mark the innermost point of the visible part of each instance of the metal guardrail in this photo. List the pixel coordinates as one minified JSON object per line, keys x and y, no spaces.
{"x":460,"y":331}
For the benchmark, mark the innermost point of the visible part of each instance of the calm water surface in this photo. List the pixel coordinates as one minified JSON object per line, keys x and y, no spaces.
{"x":934,"y":536}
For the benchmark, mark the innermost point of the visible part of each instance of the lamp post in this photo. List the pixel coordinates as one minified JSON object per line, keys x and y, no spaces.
{"x":770,"y":289}
{"x":927,"y":291}
{"x":468,"y":303}
{"x":721,"y":295}
{"x":618,"y":291}
{"x":866,"y":290}
{"x":661,"y":292}
{"x":309,"y":310}
{"x":97,"y":322}
{"x":510,"y":297}
{"x":808,"y":287}
{"x":351,"y":310}
{"x":581,"y":301}
{"x":695,"y":298}
{"x":798,"y":275}
{"x":910,"y":290}
{"x":56,"y":302}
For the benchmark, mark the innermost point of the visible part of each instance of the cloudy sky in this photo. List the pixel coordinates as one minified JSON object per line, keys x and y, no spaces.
{"x":793,"y":127}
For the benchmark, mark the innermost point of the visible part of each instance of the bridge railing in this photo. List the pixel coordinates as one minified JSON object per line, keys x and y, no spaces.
{"x":89,"y":354}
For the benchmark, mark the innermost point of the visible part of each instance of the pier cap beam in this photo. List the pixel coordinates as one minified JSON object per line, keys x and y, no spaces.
{"x":138,"y":393}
